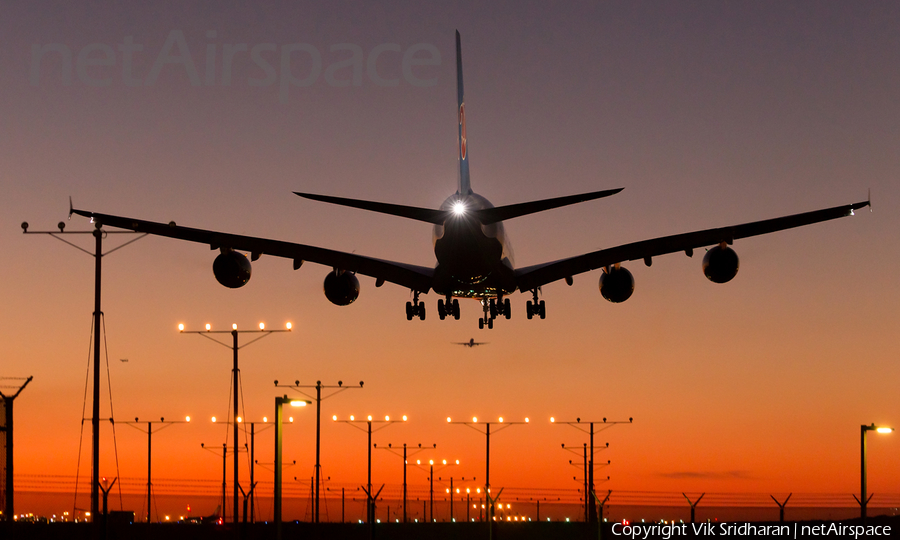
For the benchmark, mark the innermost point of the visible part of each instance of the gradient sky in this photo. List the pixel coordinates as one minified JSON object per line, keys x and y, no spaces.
{"x":708,"y":114}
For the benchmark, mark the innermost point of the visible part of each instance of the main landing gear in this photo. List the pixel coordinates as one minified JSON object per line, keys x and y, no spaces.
{"x":534,"y":307}
{"x":492,"y":309}
{"x":416,"y":308}
{"x":448,"y":307}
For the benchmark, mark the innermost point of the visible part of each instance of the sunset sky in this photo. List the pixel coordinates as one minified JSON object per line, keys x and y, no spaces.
{"x":708,"y":114}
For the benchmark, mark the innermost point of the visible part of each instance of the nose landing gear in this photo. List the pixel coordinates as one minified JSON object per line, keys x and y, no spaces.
{"x":494,"y":308}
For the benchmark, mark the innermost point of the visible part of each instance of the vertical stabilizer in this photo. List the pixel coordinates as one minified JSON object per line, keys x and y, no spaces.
{"x":464,"y":187}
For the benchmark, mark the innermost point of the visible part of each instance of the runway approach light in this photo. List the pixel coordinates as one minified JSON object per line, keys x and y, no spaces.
{"x":187,"y":418}
{"x":181,"y":328}
{"x":208,"y":327}
{"x":288,"y":326}
{"x":474,"y":419}
{"x":262,"y":326}
{"x":234,"y":326}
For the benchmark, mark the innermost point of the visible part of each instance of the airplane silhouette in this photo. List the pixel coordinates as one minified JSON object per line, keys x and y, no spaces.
{"x":471,"y":343}
{"x":474,"y":259}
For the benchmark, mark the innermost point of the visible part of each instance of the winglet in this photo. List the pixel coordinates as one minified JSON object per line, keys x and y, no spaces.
{"x":70,"y":208}
{"x":869,"y":199}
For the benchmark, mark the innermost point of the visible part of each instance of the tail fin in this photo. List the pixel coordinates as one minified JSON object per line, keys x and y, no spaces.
{"x":464,"y":186}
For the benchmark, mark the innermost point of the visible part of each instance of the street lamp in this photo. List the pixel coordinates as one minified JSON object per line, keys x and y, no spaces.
{"x":318,"y":386}
{"x":235,"y":373}
{"x":370,"y":501}
{"x":863,"y":502}
{"x":279,"y":402}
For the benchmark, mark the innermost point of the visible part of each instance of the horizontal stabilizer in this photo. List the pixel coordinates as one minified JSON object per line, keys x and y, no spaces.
{"x":500,"y":213}
{"x":485,"y":215}
{"x":421,"y":214}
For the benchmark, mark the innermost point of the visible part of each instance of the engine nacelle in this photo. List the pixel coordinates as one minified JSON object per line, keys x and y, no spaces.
{"x":720,"y":264}
{"x":341,"y":288}
{"x":616,"y":284}
{"x":232,"y":269}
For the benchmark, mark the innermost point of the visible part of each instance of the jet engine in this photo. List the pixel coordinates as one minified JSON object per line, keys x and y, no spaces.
{"x":616,"y":284}
{"x":341,"y":288}
{"x":232,"y":269}
{"x":720,"y":264}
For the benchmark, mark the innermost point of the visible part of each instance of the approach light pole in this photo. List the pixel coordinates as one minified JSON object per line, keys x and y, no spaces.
{"x":235,"y":373}
{"x":99,"y":234}
{"x":443,"y":464}
{"x":487,"y":460}
{"x":404,"y":455}
{"x":864,"y":501}
{"x":577,"y":424}
{"x":319,"y":387}
{"x":584,"y":477}
{"x":7,"y":427}
{"x":163,"y":424}
{"x":370,"y":496}
{"x":279,"y":401}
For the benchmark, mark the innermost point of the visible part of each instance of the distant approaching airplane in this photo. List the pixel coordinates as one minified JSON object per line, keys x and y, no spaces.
{"x":474,"y":259}
{"x":471,"y":343}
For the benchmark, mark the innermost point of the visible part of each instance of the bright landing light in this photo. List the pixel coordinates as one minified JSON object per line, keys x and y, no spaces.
{"x":459,"y":208}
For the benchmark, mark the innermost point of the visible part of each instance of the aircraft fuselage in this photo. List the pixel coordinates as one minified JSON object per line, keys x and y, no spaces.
{"x":473,"y":260}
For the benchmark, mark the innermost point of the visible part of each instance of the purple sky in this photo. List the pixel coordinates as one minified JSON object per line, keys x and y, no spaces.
{"x":708,"y":114}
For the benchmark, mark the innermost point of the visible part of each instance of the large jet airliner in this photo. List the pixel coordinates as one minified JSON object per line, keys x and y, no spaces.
{"x":474,"y":259}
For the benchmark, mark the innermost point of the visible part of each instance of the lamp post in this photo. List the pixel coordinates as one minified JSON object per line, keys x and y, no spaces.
{"x":235,"y":373}
{"x":577,"y":424}
{"x":99,"y":234}
{"x":279,"y":401}
{"x":163,"y":425}
{"x":390,"y":449}
{"x":318,"y":386}
{"x":864,"y":501}
{"x":370,"y":497}
{"x":487,"y":460}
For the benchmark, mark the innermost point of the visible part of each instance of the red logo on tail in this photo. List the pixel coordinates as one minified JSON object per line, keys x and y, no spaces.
{"x":462,"y":131}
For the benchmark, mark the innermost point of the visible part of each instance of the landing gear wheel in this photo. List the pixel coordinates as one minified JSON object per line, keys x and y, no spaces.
{"x":528,"y":307}
{"x":490,"y":323}
{"x":542,"y":309}
{"x":493,"y":309}
{"x":409,"y":311}
{"x":442,"y":311}
{"x":481,"y":324}
{"x":456,"y":309}
{"x":507,"y":311}
{"x":421,"y":312}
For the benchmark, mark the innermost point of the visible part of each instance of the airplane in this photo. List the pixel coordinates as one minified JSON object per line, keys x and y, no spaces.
{"x":474,"y":258}
{"x":471,"y":343}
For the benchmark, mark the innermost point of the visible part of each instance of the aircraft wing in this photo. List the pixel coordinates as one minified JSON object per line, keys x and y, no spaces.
{"x":417,"y":278}
{"x":531,"y":277}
